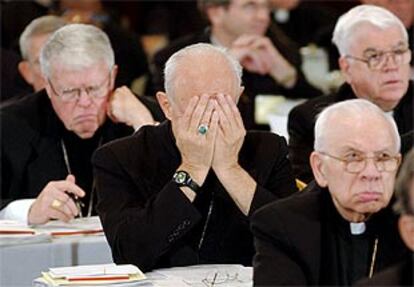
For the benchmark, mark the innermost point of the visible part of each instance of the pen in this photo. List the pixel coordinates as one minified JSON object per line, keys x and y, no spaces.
{"x":79,"y":204}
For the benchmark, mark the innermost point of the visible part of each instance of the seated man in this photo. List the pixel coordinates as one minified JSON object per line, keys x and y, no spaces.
{"x":375,"y":60}
{"x":271,"y":63}
{"x":31,"y":41}
{"x":401,"y":274}
{"x":340,"y":229}
{"x":48,"y":138}
{"x":182,"y":192}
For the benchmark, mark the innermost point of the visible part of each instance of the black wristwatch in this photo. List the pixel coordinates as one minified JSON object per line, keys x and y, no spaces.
{"x":182,"y":178}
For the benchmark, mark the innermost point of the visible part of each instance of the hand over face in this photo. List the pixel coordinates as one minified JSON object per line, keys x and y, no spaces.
{"x":197,"y":149}
{"x":54,"y":202}
{"x":230,"y":135}
{"x":124,"y":107}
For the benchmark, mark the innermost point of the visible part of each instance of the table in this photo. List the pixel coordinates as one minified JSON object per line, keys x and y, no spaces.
{"x":20,"y":264}
{"x":223,"y":275}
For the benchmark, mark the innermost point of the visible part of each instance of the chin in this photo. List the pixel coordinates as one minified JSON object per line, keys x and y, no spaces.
{"x":87,"y":131}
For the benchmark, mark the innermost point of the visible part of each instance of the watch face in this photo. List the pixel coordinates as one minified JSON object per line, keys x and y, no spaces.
{"x":180,"y":177}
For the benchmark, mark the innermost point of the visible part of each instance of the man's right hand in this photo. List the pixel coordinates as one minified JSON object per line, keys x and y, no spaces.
{"x":196,"y":149}
{"x":53,"y":202}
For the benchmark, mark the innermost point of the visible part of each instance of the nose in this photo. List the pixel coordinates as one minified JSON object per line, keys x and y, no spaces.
{"x":370,"y":172}
{"x":390,"y":62}
{"x":84,"y":99}
{"x":263,"y":14}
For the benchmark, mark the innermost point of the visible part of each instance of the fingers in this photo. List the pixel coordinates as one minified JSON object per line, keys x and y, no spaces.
{"x":199,"y":112}
{"x":185,"y":120}
{"x":67,"y":186}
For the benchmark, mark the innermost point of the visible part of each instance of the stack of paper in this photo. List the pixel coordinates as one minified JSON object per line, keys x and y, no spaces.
{"x":14,"y":232}
{"x":97,"y":275}
{"x":77,"y":226}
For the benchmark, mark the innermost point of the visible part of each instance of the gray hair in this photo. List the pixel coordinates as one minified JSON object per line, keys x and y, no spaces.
{"x":77,"y":46}
{"x":201,"y":49}
{"x":350,"y":21}
{"x":404,"y":203}
{"x":355,"y":109}
{"x":38,"y":27}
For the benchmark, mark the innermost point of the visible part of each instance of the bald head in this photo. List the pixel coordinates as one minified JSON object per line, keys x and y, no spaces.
{"x":359,"y":116}
{"x":202,"y":68}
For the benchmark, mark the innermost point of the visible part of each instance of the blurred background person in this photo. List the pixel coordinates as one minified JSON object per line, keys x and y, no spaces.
{"x":271,"y":63}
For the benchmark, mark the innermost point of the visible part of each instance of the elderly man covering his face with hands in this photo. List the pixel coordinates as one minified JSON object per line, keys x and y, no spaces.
{"x":182,"y":192}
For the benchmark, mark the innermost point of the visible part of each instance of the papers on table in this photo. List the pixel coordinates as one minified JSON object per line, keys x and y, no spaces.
{"x":78,"y":226}
{"x":224,"y":275}
{"x":96,"y":275}
{"x":14,"y":232}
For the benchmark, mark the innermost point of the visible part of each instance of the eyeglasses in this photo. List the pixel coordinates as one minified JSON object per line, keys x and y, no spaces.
{"x":357,"y":162}
{"x":221,"y":278}
{"x":377,"y":59}
{"x":71,"y":95}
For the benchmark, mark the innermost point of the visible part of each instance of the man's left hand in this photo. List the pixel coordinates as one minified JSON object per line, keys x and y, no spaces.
{"x":230,"y":135}
{"x":125,"y":107}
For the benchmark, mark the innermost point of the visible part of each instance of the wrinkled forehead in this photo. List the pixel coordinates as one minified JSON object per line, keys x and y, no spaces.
{"x":366,"y":133}
{"x":197,"y":75}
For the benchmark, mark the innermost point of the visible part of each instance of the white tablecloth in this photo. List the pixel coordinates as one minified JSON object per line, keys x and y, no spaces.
{"x":223,"y":275}
{"x":20,"y":264}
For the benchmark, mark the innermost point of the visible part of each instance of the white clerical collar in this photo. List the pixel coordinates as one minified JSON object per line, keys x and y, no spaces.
{"x":390,"y":113}
{"x":281,"y":15}
{"x":357,"y":228}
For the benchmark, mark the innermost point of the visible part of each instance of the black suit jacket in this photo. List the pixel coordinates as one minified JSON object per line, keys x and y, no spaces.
{"x":254,"y":84}
{"x":31,"y":154}
{"x":290,"y":235}
{"x":302,"y":120}
{"x":148,"y":220}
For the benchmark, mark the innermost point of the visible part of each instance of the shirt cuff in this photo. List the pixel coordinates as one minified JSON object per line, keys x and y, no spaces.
{"x":17,"y":210}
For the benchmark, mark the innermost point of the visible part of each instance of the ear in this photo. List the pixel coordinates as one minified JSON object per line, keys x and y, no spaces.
{"x":406,"y":227}
{"x":48,"y":88}
{"x":316,"y":163}
{"x":26,"y":71}
{"x":164,"y":104}
{"x":114,"y":73}
{"x":215,"y":14}
{"x":344,"y":66}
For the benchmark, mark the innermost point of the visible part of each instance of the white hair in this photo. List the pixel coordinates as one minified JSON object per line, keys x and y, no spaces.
{"x":38,"y":27}
{"x":203,"y":50}
{"x":349,"y":22}
{"x":76,"y":46}
{"x":356,"y":109}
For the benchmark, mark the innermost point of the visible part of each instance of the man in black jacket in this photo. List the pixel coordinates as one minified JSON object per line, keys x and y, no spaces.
{"x":182,"y":192}
{"x":375,"y":60}
{"x":340,"y":229}
{"x":48,"y":138}
{"x":271,"y":63}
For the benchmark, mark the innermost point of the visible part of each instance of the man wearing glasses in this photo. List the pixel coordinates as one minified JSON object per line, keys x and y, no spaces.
{"x":340,"y":229}
{"x":48,"y":138}
{"x":375,"y":61}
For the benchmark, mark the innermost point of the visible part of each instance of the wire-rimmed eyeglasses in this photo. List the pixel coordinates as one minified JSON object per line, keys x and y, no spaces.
{"x":376,"y":60}
{"x":73,"y":94}
{"x":356,"y":164}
